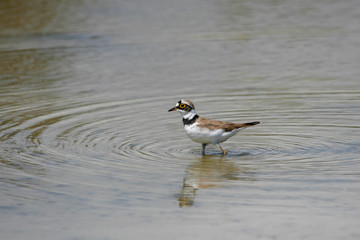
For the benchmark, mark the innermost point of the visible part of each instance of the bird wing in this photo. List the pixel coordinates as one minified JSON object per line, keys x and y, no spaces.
{"x":227,"y":126}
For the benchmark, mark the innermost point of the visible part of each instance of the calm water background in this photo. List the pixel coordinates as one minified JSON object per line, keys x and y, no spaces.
{"x":89,"y":151}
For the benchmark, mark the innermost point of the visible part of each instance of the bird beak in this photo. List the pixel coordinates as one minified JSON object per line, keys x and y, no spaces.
{"x":172,"y":109}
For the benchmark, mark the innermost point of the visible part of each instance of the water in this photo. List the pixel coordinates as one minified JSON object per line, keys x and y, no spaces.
{"x":89,"y":151}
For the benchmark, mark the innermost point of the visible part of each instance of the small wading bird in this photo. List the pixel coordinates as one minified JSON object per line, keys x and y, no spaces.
{"x":204,"y":130}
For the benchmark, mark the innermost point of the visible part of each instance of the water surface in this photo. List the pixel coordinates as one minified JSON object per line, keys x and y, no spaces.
{"x":89,"y":151}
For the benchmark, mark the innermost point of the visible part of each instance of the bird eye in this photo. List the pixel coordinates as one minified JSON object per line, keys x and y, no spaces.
{"x":182,"y":105}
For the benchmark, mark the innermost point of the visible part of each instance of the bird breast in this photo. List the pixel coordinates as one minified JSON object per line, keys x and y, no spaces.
{"x":204,"y":135}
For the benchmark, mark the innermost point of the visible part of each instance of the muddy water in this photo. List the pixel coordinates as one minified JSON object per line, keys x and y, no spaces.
{"x":89,"y":151}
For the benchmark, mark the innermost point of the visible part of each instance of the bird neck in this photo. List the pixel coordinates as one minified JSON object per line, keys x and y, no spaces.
{"x":190,"y":117}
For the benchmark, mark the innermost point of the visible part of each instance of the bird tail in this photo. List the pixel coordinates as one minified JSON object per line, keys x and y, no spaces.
{"x":249,"y":124}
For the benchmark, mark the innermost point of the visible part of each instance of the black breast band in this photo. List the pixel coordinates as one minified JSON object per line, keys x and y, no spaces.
{"x":190,"y":121}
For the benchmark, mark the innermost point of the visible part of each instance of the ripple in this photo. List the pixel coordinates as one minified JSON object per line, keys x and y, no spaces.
{"x":134,"y":144}
{"x":130,"y":134}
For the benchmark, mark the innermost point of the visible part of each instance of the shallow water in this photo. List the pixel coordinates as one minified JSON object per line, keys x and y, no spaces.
{"x":89,"y":151}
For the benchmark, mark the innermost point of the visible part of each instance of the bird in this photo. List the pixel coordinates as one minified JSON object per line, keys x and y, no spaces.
{"x":204,"y":130}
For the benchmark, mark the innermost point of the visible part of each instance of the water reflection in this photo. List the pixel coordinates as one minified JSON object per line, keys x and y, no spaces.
{"x":29,"y":70}
{"x":85,"y":136}
{"x":37,"y":16}
{"x":210,"y":171}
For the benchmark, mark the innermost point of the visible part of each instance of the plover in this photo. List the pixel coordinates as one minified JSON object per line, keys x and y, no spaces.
{"x":204,"y":130}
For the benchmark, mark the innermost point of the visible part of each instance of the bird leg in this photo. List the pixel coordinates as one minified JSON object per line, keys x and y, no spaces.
{"x":203,"y":148}
{"x":223,"y":150}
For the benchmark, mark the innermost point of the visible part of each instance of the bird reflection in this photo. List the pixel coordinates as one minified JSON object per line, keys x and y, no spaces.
{"x":209,"y":172}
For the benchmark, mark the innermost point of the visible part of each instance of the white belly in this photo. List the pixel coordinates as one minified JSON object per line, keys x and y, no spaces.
{"x":203,"y":135}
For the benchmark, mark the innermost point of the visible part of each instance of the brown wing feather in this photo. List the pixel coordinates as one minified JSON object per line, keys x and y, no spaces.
{"x":227,"y":126}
